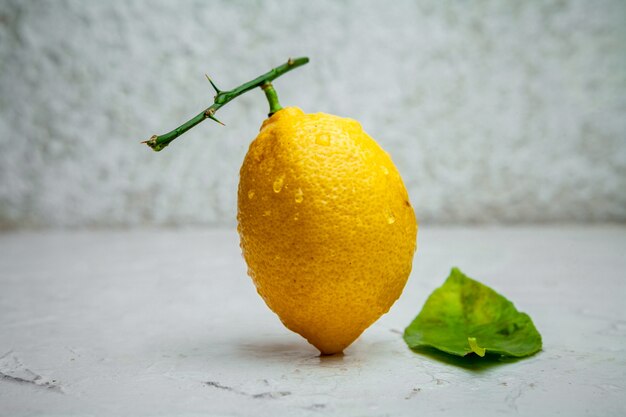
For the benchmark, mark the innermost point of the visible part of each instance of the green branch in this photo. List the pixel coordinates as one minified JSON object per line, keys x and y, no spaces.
{"x":222,"y":97}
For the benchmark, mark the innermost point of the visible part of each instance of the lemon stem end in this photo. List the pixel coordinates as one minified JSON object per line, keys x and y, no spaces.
{"x":272,"y":98}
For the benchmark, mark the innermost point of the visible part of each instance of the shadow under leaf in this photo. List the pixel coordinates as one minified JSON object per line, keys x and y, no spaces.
{"x":471,"y":362}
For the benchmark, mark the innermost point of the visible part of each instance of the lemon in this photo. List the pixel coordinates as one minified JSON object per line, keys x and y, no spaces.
{"x":326,"y":226}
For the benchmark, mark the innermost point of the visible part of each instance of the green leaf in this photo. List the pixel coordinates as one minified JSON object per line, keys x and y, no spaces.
{"x":464,"y":316}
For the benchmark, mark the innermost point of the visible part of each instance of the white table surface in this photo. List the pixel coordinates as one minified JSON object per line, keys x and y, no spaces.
{"x":166,"y":322}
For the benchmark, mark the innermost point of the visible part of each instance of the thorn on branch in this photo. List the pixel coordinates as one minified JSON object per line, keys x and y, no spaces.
{"x":217,"y":90}
{"x":210,"y":114}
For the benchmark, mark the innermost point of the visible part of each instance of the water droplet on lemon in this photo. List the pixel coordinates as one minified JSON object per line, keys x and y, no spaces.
{"x":391,"y":219}
{"x":299,"y":196}
{"x":384,"y":169}
{"x":323,"y":140}
{"x":250,"y":194}
{"x":278,"y":184}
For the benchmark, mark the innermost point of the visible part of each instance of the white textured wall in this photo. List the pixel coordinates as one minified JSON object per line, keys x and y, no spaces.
{"x":493,"y":111}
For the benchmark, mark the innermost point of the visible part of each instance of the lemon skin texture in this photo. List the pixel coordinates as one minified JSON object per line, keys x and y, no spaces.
{"x":326,"y":226}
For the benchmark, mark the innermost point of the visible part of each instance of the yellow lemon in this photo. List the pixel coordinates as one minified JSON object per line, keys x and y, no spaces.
{"x":326,"y":226}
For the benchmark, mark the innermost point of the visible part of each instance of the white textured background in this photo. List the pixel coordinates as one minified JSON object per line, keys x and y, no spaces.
{"x":493,"y":111}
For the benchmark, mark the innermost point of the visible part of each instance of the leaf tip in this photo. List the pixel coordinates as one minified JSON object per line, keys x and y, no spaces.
{"x":475,"y":348}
